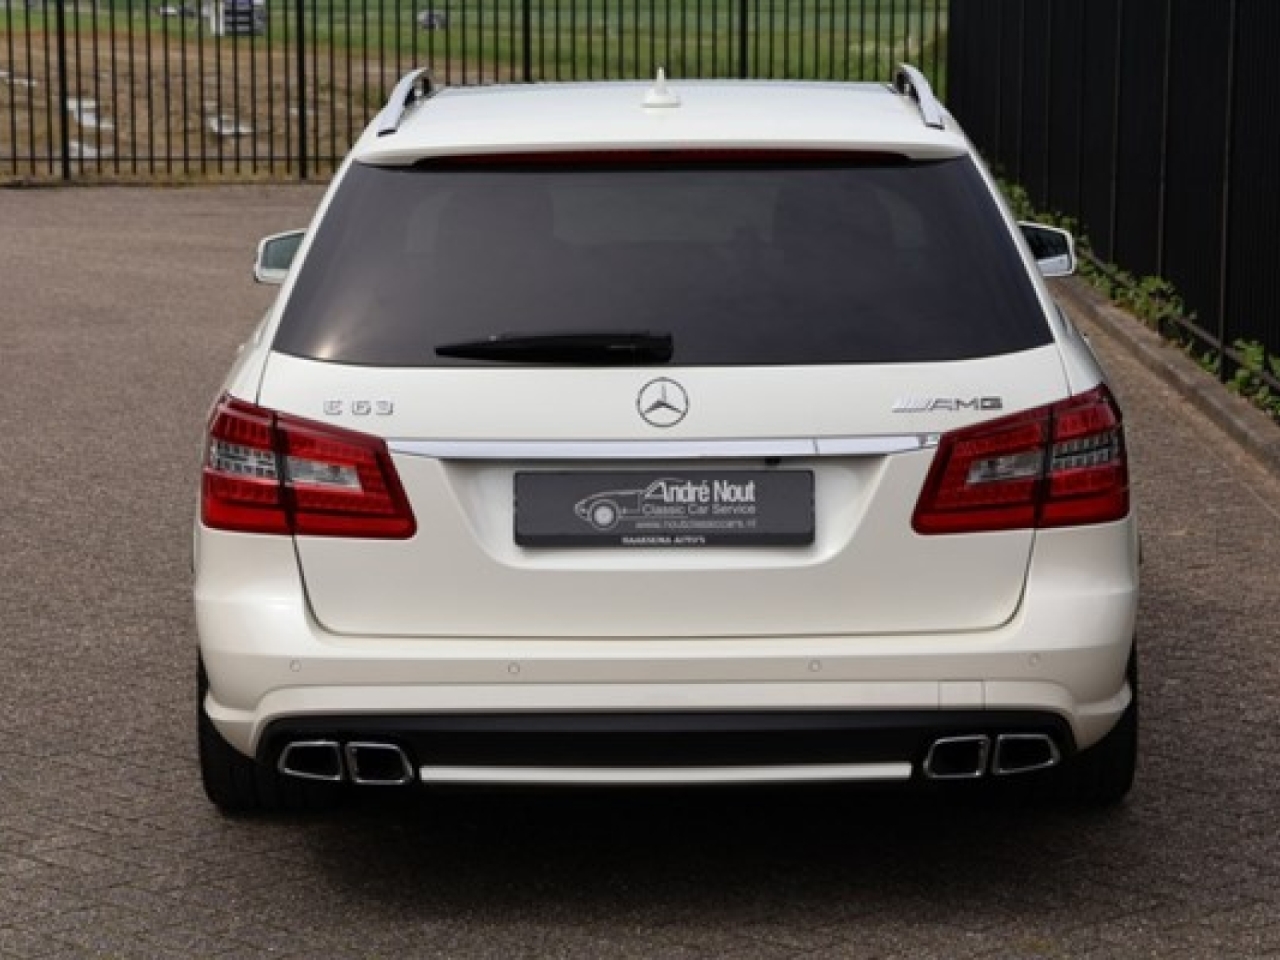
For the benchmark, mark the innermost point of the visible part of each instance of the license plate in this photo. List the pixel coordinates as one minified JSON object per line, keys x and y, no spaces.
{"x":671,"y":508}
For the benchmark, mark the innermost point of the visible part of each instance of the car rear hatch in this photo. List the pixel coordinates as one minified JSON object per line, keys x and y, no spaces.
{"x":693,"y":399}
{"x":835,"y":553}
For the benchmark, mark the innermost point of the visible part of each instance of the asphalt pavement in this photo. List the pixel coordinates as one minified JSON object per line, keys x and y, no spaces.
{"x":120,"y":310}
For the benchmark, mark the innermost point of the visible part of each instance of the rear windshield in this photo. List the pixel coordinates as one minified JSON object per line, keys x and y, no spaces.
{"x":851,"y":261}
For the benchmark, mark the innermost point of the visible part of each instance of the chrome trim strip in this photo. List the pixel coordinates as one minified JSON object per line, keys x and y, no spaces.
{"x":874,"y":446}
{"x":661,"y":449}
{"x":800,"y":773}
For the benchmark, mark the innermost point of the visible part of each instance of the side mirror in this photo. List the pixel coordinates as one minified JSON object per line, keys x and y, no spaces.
{"x":275,"y":255}
{"x":1054,"y":249}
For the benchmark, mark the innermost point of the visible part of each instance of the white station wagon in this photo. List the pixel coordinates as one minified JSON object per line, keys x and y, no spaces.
{"x":878,"y":525}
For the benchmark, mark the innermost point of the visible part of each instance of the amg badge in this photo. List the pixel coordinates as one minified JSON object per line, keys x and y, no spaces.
{"x":930,"y":404}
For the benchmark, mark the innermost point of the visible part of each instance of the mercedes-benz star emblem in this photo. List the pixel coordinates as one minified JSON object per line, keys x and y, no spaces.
{"x":662,"y":402}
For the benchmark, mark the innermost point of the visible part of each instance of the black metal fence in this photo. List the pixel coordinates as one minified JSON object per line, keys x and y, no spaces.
{"x":179,"y":89}
{"x":1155,"y":123}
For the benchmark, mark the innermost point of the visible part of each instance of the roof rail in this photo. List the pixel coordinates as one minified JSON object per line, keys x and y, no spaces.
{"x":909,"y":81}
{"x":414,"y":86}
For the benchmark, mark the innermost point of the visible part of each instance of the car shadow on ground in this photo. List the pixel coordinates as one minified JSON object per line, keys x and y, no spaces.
{"x":525,"y":855}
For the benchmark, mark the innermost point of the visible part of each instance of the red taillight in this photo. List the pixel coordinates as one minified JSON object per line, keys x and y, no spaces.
{"x":271,"y":473}
{"x":1055,"y":466}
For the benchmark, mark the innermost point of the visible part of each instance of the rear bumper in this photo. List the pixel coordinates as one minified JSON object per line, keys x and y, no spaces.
{"x":1061,"y":658}
{"x":665,"y":748}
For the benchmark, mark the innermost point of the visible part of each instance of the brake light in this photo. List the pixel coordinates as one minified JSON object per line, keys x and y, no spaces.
{"x":1059,"y":465}
{"x":266,"y":472}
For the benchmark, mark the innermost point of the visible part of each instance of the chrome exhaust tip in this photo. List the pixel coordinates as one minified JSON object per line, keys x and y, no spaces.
{"x":378,"y":764}
{"x":957,"y":758}
{"x":319,"y":760}
{"x":1024,"y":753}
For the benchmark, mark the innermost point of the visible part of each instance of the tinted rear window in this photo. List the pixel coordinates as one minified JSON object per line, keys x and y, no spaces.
{"x":760,"y":263}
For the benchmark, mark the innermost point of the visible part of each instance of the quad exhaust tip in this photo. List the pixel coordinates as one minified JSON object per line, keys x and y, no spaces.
{"x":972,"y":756}
{"x":317,"y":760}
{"x":957,"y":758}
{"x":1024,"y":753}
{"x":362,"y":762}
{"x":378,"y":764}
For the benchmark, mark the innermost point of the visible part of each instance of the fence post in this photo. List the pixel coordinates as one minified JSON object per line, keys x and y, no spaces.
{"x":743,"y":39}
{"x":1113,"y":197}
{"x":300,"y":16}
{"x":64,"y":109}
{"x":526,"y":31}
{"x":1224,"y":266}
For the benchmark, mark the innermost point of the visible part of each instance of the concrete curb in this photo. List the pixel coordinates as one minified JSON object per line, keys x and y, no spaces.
{"x":1240,"y":420}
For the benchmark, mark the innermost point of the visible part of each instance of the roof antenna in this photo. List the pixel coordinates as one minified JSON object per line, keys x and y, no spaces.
{"x":660,"y":95}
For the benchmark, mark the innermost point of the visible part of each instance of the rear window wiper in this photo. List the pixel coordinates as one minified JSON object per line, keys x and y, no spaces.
{"x":601,"y":348}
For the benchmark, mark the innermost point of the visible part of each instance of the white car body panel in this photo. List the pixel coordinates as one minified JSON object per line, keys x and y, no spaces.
{"x":866,"y":571}
{"x":1063,"y":651}
{"x":462,"y":575}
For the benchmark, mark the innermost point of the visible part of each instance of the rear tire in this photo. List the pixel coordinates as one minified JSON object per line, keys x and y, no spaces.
{"x":1103,"y":775}
{"x":238,"y":784}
